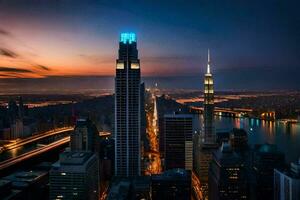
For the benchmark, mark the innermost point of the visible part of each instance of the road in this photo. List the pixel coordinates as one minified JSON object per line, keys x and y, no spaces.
{"x":154,"y":165}
{"x":21,"y":142}
{"x":196,"y":186}
{"x":35,"y":152}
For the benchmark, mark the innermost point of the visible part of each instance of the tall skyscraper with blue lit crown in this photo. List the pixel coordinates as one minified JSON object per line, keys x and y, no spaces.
{"x":127,"y":108}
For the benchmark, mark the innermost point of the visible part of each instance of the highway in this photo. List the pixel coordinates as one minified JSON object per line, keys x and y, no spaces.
{"x":21,"y":142}
{"x":35,"y":152}
{"x":154,"y":166}
{"x":196,"y":185}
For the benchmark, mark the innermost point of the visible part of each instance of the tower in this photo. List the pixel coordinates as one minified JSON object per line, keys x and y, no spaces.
{"x":127,"y":108}
{"x":208,"y":125}
{"x":208,"y":142}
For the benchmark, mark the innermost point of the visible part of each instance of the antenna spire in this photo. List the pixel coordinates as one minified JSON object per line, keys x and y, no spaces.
{"x":208,"y":62}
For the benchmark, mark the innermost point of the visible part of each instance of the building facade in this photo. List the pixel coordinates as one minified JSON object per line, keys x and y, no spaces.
{"x":172,"y":184}
{"x":227,"y":176}
{"x":287,"y":183}
{"x":266,"y":158}
{"x":85,"y":136}
{"x":74,"y":176}
{"x":178,"y":141}
{"x":127,"y":108}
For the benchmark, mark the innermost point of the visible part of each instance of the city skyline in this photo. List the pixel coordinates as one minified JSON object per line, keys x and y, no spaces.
{"x":124,"y":99}
{"x":59,"y":38}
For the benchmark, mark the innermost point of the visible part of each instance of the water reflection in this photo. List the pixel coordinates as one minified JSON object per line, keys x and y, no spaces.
{"x":286,"y":136}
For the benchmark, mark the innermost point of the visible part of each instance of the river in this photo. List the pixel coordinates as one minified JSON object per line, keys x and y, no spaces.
{"x":286,"y":137}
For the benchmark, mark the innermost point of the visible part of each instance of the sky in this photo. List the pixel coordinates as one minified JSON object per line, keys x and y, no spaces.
{"x":250,"y":41}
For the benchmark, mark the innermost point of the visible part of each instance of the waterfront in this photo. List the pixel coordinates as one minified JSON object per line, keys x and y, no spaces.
{"x":285,"y":136}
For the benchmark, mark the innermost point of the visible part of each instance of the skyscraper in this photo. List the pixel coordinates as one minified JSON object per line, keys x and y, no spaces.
{"x":266,"y":158}
{"x":208,"y":125}
{"x":74,"y":176}
{"x":227,"y":175}
{"x":127,"y":108}
{"x":178,"y":141}
{"x":287,"y":182}
{"x":85,"y":136}
{"x":172,"y":184}
{"x":208,"y":143}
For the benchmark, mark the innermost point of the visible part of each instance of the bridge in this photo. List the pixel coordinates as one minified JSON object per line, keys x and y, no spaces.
{"x":61,"y":137}
{"x":12,"y":161}
{"x":21,"y":142}
{"x":22,"y":149}
{"x":226,"y":112}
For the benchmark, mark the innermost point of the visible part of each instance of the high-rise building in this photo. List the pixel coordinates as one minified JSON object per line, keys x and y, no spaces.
{"x":208,"y":125}
{"x":208,"y":142}
{"x":266,"y":158}
{"x":238,"y":139}
{"x":287,"y":183}
{"x":85,"y":136}
{"x":74,"y":176}
{"x":178,"y":141}
{"x":127,"y":108}
{"x":227,"y":176}
{"x":172,"y":184}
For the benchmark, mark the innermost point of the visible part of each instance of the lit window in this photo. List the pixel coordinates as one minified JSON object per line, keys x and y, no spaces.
{"x":120,"y":65}
{"x":135,"y":66}
{"x":63,"y":174}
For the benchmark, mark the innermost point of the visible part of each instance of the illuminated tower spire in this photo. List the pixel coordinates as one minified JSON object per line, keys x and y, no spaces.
{"x":208,"y":62}
{"x":208,"y":104}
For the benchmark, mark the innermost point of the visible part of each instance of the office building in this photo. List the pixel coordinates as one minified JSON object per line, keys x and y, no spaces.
{"x":227,"y":176}
{"x":74,"y":176}
{"x":127,"y":108}
{"x":238,"y":139}
{"x":22,"y":184}
{"x":178,"y":141}
{"x":85,"y":136}
{"x":127,"y":188}
{"x":287,"y":183}
{"x":266,"y":158}
{"x":172,"y":184}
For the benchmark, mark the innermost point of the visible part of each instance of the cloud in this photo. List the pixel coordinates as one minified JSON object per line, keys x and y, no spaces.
{"x":8,"y":53}
{"x":4,"y":32}
{"x":14,"y":70}
{"x":43,"y":67}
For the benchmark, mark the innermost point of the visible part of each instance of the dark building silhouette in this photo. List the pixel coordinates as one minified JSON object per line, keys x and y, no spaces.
{"x":172,"y":184}
{"x":227,"y":176}
{"x":238,"y":139}
{"x":127,"y":108}
{"x":75,"y":176}
{"x":287,"y":183}
{"x":106,"y":159}
{"x":178,"y":141}
{"x":85,"y":136}
{"x":266,"y":158}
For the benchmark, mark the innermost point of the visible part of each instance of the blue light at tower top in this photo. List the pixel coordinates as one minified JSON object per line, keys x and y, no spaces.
{"x":128,"y":38}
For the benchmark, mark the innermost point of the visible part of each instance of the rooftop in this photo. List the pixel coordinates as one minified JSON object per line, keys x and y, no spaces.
{"x":74,"y":158}
{"x":128,"y":38}
{"x":73,"y":161}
